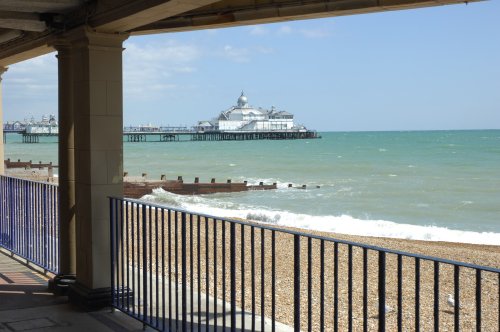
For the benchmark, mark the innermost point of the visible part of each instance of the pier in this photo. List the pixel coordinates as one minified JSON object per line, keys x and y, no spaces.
{"x":182,"y":134}
{"x":192,"y":135}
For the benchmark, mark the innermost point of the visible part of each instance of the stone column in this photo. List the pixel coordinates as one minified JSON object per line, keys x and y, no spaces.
{"x":67,"y":211}
{"x":97,"y":117}
{"x":2,"y":157}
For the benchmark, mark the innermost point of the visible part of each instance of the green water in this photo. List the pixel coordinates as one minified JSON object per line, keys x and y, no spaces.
{"x":375,"y":183}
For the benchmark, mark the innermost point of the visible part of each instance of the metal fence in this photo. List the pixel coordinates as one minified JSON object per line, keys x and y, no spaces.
{"x":175,"y":270}
{"x":29,"y":221}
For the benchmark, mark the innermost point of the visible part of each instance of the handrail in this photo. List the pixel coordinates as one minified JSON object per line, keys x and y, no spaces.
{"x":173,"y":269}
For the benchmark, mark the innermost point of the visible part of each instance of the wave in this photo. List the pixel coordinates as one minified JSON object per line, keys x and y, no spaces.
{"x":343,"y":224}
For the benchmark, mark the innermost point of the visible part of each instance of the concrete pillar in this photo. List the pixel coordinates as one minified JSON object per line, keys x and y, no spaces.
{"x":2,"y":156}
{"x":66,"y":151}
{"x":91,"y":125}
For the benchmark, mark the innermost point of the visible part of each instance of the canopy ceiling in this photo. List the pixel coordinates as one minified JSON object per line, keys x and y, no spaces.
{"x":27,"y":27}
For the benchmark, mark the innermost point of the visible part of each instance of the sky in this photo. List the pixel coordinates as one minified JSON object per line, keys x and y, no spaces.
{"x":424,"y":69}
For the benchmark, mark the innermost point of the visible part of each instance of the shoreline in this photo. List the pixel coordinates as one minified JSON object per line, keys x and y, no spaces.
{"x":424,"y":247}
{"x":470,"y":253}
{"x":457,"y":251}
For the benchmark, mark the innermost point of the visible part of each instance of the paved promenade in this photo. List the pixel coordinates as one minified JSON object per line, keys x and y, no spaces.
{"x":27,"y":305}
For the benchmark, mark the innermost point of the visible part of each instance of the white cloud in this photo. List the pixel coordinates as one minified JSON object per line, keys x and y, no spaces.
{"x":236,"y":54}
{"x":284,"y":30}
{"x":258,"y":30}
{"x":264,"y":50}
{"x":244,"y":54}
{"x":315,"y":33}
{"x":150,"y":68}
{"x":185,"y":69}
{"x":212,"y":32}
{"x":30,"y":88}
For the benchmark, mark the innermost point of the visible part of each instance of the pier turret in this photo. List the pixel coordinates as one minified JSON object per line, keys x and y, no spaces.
{"x":243,"y":101}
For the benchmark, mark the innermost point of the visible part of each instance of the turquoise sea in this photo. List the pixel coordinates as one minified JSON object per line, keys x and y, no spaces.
{"x":431,"y":185}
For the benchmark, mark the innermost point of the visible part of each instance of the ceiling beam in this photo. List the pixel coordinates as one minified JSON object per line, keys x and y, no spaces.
{"x":39,"y":6}
{"x":8,"y":35}
{"x":23,"y":52}
{"x":21,"y":21}
{"x":133,"y":14}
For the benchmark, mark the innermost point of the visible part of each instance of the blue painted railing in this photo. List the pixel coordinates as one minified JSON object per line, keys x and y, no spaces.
{"x":166,"y":260}
{"x":29,"y":221}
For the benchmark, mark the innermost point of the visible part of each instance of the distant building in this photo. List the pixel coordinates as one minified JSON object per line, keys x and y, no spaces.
{"x":244,"y":117}
{"x":48,"y":126}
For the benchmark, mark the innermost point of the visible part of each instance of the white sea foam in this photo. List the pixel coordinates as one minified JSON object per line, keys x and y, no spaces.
{"x":344,"y":224}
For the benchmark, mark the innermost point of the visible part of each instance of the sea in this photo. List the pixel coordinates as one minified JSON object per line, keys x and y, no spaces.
{"x":424,"y":185}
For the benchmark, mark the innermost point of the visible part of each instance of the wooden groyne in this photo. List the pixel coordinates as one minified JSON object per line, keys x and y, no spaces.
{"x":26,"y":164}
{"x":138,"y":187}
{"x":29,"y":170}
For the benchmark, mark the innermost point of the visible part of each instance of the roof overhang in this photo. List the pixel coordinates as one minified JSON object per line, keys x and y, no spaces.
{"x":28,"y":27}
{"x":237,"y":13}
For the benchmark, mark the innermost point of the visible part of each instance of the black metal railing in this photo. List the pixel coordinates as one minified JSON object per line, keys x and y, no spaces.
{"x":29,"y":221}
{"x":177,"y":270}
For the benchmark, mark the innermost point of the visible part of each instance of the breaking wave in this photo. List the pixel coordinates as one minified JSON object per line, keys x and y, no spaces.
{"x":343,"y":224}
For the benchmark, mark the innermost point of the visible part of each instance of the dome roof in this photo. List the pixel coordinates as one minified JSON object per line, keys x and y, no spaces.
{"x":242,"y":100}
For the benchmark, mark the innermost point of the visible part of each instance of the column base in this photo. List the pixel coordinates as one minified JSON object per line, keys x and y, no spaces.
{"x":59,"y":285}
{"x":89,"y":299}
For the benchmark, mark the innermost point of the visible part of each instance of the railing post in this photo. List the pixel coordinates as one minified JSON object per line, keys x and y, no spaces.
{"x":478,"y":300}
{"x":26,"y":221}
{"x":381,"y":291}
{"x":2,"y":212}
{"x":456,"y":281}
{"x":44,"y":227}
{"x":296,"y":282}
{"x":436,"y":296}
{"x":112,"y":243}
{"x":144,"y":264}
{"x":233,"y":275}
{"x":11,"y":214}
{"x":184,"y":278}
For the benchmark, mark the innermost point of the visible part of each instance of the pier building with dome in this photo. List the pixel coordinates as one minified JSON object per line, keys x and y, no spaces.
{"x":243,"y":117}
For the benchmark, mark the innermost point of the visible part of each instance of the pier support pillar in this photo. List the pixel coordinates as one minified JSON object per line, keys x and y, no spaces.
{"x":91,"y":63}
{"x":2,"y":156}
